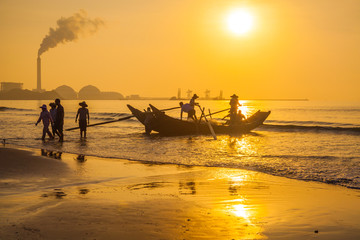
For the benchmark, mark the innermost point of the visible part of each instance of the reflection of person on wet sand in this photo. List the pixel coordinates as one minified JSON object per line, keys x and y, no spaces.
{"x":233,"y":188}
{"x":83,"y":114}
{"x":52,"y":154}
{"x":81,"y":158}
{"x":46,"y":119}
{"x":187,"y":188}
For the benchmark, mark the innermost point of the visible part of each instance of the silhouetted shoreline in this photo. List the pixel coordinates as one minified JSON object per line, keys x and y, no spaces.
{"x":18,"y":94}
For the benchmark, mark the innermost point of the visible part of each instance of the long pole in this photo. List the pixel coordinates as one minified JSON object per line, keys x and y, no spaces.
{"x":117,"y":120}
{"x":208,"y":123}
{"x":218,"y":112}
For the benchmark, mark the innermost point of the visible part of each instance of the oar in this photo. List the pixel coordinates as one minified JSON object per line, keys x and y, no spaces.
{"x":120,"y":119}
{"x":208,"y":123}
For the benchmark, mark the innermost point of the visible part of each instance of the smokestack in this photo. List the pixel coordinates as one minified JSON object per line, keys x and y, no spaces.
{"x":179,"y":93}
{"x":38,"y":74}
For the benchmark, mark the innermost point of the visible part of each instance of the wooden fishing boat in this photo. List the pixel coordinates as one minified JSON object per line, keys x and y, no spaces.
{"x":168,"y":126}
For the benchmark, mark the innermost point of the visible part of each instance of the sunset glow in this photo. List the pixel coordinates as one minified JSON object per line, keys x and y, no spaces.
{"x":240,"y":21}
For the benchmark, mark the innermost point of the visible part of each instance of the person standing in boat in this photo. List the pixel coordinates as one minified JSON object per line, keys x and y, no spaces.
{"x":192,"y":101}
{"x":83,"y":114}
{"x":234,"y":104}
{"x":59,"y":121}
{"x":46,"y":119}
{"x":193,"y":104}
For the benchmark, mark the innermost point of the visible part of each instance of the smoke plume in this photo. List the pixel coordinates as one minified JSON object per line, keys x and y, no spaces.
{"x":69,"y":29}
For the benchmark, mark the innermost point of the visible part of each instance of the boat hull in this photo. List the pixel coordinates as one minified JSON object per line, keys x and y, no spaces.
{"x":168,"y":126}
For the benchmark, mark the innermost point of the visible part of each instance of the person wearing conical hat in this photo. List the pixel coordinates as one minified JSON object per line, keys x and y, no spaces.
{"x":192,"y":100}
{"x":84,"y":118}
{"x":46,"y":119}
{"x":234,"y":104}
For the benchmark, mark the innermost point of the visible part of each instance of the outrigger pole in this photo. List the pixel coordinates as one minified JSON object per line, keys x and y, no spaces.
{"x":208,"y":123}
{"x":217,"y":112}
{"x":118,"y":120}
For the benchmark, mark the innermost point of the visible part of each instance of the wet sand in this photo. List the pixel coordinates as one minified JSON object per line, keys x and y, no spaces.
{"x":64,"y":196}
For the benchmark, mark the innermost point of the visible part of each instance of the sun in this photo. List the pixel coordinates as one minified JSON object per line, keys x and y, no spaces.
{"x":240,"y":21}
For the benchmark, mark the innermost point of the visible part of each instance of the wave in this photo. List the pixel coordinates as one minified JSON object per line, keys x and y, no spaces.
{"x":109,"y":119}
{"x":301,"y":128}
{"x":350,"y":109}
{"x":3,"y":109}
{"x":111,"y":114}
{"x":310,"y":123}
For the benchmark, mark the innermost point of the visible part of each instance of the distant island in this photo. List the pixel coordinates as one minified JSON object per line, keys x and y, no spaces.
{"x":63,"y":92}
{"x":14,"y":91}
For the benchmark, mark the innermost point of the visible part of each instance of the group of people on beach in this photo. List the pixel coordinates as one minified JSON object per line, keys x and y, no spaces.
{"x":55,"y":117}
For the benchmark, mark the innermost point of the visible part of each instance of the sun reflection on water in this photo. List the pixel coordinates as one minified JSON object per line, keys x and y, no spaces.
{"x":244,"y":109}
{"x":240,"y":146}
{"x":241,"y":210}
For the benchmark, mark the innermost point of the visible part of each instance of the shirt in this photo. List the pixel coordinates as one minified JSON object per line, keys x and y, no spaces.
{"x":45,"y":117}
{"x":186,"y":107}
{"x":60,"y":114}
{"x":82,"y":113}
{"x":53,"y":113}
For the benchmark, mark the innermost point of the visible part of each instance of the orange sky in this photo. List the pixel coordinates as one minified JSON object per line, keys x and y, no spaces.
{"x":297,"y":49}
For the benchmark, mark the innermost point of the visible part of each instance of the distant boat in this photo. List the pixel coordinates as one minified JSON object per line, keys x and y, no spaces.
{"x":169,"y":126}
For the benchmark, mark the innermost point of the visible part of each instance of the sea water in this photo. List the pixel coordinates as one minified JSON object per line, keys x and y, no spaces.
{"x":306,"y":140}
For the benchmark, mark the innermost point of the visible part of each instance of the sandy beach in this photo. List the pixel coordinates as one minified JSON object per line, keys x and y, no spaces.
{"x":51,"y":195}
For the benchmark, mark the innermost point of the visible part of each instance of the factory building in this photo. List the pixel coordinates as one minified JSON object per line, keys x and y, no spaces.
{"x":7,"y":86}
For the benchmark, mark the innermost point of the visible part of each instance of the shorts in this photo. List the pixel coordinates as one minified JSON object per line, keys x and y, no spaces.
{"x":191,"y":113}
{"x":82,"y":124}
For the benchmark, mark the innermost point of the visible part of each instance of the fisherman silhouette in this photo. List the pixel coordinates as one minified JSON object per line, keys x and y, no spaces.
{"x":59,"y":121}
{"x":83,"y":113}
{"x":46,"y":119}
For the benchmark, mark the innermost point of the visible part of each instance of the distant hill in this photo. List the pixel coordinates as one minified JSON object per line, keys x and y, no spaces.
{"x":91,"y":92}
{"x":19,"y":94}
{"x":63,"y":92}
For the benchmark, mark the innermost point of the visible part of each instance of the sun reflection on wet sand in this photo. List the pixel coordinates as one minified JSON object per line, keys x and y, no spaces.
{"x":149,"y":201}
